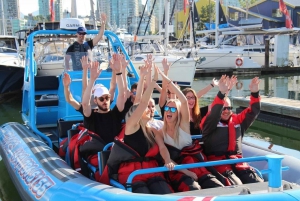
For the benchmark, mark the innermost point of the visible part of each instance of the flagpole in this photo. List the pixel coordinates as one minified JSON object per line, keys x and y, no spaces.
{"x":217,"y":23}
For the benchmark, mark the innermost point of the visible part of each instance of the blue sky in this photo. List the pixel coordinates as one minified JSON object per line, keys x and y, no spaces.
{"x":29,"y":6}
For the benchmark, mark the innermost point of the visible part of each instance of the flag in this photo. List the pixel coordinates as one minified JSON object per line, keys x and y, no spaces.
{"x":185,"y":4}
{"x":283,"y":9}
{"x":52,"y":11}
{"x":196,"y":15}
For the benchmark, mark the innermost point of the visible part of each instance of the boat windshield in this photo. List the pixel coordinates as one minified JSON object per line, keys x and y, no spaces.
{"x":8,"y":45}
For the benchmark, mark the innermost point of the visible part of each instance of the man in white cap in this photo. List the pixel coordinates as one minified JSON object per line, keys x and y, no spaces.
{"x":80,"y":48}
{"x":105,"y":122}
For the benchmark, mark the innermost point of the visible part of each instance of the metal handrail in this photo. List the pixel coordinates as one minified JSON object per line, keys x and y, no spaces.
{"x":274,"y":171}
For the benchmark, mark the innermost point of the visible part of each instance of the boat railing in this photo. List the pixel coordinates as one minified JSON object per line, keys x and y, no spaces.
{"x":28,"y":108}
{"x":274,"y":170}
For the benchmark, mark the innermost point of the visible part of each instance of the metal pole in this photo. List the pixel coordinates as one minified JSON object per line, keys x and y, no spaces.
{"x":217,"y":23}
{"x":167,"y":13}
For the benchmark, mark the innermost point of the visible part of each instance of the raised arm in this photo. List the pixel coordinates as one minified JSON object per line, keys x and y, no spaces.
{"x":132,"y":122}
{"x":206,"y":89}
{"x":113,"y":84}
{"x":85,"y":66}
{"x":101,"y":31}
{"x":117,"y":69}
{"x":248,"y":115}
{"x":94,"y":74}
{"x":124,"y":74}
{"x":149,"y":64}
{"x":210,"y":121}
{"x":144,"y":70}
{"x":184,"y":110}
{"x":163,"y":94}
{"x":68,"y":96}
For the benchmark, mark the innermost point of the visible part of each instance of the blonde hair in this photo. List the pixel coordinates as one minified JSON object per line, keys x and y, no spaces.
{"x":178,"y":106}
{"x":196,"y":114}
{"x":146,"y":130}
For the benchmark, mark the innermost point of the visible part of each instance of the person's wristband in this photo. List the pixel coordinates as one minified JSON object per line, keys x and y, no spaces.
{"x":212,"y":85}
{"x":120,"y":73}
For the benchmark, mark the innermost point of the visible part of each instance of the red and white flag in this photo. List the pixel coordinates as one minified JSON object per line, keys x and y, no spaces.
{"x":288,"y":20}
{"x":185,"y":5}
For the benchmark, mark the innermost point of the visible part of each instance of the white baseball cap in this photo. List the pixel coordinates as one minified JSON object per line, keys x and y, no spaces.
{"x":100,"y":91}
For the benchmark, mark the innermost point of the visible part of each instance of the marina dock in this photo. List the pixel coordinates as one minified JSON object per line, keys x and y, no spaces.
{"x":246,"y":71}
{"x":279,"y":111}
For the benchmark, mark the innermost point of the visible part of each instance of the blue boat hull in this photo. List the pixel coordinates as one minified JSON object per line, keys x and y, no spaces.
{"x":40,"y":174}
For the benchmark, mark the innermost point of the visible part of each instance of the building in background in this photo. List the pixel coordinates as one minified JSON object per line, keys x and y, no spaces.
{"x":103,"y":6}
{"x":11,"y":10}
{"x":44,"y":9}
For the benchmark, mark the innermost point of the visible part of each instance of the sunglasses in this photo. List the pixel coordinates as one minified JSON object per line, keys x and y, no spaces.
{"x":172,"y":109}
{"x":101,"y":99}
{"x":81,"y":34}
{"x":227,"y":108}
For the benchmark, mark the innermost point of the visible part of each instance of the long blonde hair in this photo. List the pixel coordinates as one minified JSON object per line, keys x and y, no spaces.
{"x":178,"y":106}
{"x":146,"y":130}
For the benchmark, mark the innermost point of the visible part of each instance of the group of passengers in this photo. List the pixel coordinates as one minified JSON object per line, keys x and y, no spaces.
{"x":146,"y":142}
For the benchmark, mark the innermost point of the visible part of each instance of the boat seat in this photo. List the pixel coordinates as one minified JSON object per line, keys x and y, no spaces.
{"x":47,"y":100}
{"x":46,"y":83}
{"x":64,"y":126}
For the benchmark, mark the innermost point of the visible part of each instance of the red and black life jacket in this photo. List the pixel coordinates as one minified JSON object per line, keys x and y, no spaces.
{"x":192,"y":154}
{"x":123,"y":160}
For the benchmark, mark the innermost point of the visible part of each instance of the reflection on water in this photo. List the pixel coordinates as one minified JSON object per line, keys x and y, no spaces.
{"x":8,"y":192}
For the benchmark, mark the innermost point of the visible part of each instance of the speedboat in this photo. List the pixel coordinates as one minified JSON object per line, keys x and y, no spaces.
{"x":11,"y":65}
{"x":29,"y":150}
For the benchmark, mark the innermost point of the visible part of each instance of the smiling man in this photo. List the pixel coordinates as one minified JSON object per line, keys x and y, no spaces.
{"x":80,"y":48}
{"x":223,"y":131}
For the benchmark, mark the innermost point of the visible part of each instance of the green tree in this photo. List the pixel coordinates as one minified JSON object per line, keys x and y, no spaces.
{"x":246,"y":3}
{"x":206,"y":15}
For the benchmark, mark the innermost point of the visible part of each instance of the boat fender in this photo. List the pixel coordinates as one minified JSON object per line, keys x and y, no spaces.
{"x":239,"y":85}
{"x":239,"y":62}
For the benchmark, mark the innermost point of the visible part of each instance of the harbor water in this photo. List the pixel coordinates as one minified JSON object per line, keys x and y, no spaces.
{"x":263,"y":134}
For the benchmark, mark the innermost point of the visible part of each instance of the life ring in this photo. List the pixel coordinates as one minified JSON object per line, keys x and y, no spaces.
{"x":239,"y":85}
{"x":239,"y":62}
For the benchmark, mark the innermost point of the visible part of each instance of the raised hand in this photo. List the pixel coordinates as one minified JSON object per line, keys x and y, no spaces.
{"x":85,"y":62}
{"x":156,"y":71}
{"x":124,"y":62}
{"x":163,"y":75}
{"x":116,"y":63}
{"x":214,"y":82}
{"x":233,"y":81}
{"x":103,"y":18}
{"x":143,"y":71}
{"x":150,"y":59}
{"x":254,"y":85}
{"x":66,"y":80}
{"x":95,"y":70}
{"x":165,"y":65}
{"x":223,"y":84}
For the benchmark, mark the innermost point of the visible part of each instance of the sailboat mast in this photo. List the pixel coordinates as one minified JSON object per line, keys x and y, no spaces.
{"x":217,"y":23}
{"x":93,"y":14}
{"x":167,"y":13}
{"x":191,"y":23}
{"x":3,"y":18}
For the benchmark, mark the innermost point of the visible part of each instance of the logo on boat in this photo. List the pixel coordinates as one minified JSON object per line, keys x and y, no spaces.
{"x":33,"y":176}
{"x":73,"y":25}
